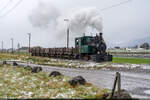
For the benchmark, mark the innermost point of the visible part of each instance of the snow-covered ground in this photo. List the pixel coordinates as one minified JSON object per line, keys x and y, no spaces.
{"x":92,"y":65}
{"x":89,"y":64}
{"x":131,"y":66}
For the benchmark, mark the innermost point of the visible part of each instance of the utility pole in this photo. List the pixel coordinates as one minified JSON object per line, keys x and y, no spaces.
{"x":68,"y":37}
{"x":67,"y":20}
{"x":29,"y":40}
{"x":2,"y":46}
{"x":12,"y":40}
{"x":18,"y":47}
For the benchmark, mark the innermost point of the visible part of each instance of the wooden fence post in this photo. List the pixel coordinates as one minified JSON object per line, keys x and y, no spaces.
{"x":118,"y":83}
{"x":114,"y":87}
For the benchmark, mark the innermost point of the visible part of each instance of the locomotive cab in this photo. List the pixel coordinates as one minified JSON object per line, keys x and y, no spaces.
{"x":82,"y":44}
{"x":89,"y":47}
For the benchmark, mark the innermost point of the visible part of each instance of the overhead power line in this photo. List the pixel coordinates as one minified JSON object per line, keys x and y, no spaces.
{"x":5,"y":6}
{"x":10,"y":10}
{"x":115,"y":5}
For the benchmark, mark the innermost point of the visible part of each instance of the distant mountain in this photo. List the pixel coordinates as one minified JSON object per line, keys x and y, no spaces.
{"x":130,"y":43}
{"x":137,"y":42}
{"x":140,"y":41}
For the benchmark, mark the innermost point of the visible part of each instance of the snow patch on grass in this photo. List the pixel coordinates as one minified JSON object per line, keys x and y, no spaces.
{"x":131,"y":66}
{"x":21,"y":83}
{"x":147,"y":91}
{"x":145,"y":66}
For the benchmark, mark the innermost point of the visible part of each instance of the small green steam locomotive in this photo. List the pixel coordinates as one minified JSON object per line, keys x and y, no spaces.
{"x":86,"y":48}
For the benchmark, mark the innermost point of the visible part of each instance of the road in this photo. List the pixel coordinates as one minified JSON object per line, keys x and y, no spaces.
{"x":137,"y":83}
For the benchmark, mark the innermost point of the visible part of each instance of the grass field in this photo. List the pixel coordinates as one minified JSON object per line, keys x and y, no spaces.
{"x":131,"y":60}
{"x":17,"y":82}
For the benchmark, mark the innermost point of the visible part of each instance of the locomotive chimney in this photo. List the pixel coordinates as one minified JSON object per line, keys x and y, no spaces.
{"x":101,"y":37}
{"x":83,"y":34}
{"x":100,"y":34}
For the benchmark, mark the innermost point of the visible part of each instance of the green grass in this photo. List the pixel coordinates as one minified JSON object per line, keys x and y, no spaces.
{"x":131,"y":60}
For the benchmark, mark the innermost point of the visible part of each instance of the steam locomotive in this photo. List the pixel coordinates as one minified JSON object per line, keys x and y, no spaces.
{"x":86,"y":48}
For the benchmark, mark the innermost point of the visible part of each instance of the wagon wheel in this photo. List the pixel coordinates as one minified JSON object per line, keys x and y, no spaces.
{"x":86,"y":57}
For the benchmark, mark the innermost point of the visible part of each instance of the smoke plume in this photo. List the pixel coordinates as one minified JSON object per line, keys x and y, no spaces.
{"x":46,"y":15}
{"x":83,"y":19}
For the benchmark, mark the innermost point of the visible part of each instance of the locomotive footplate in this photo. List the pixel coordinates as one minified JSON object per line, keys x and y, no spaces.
{"x":102,"y":58}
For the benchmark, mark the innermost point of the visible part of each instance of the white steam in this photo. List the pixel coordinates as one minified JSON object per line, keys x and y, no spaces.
{"x":45,"y":15}
{"x":85,"y":18}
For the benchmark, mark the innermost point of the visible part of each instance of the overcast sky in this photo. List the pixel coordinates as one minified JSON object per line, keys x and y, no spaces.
{"x":120,"y":24}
